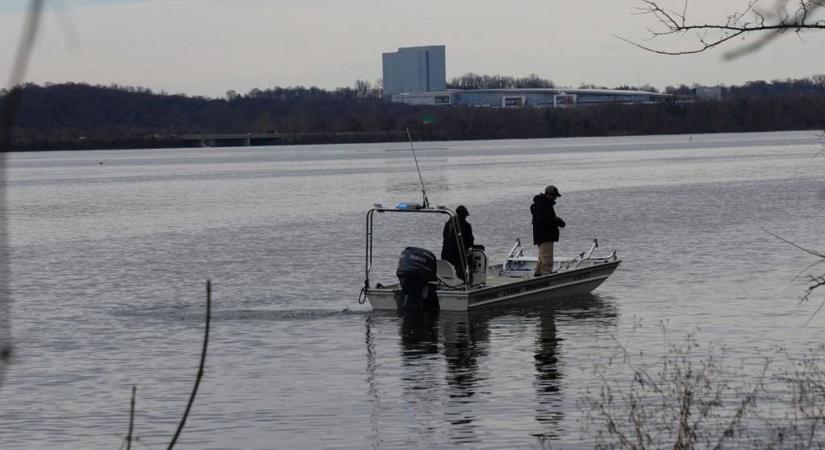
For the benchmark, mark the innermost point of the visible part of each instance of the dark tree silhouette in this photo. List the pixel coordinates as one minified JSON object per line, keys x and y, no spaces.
{"x":80,"y":116}
{"x":766,"y":23}
{"x":471,"y":81}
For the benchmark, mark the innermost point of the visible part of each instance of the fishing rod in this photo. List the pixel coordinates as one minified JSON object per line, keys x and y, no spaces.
{"x":423,"y":191}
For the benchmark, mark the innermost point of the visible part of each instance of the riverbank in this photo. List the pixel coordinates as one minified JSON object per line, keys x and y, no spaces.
{"x":82,"y":117}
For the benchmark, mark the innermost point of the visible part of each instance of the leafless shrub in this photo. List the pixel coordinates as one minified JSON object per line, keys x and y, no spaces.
{"x":683,"y":400}
{"x":793,"y":410}
{"x":692,"y":397}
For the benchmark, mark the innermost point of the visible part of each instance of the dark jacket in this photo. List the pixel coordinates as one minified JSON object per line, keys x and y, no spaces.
{"x":545,"y":222}
{"x":449,"y":249}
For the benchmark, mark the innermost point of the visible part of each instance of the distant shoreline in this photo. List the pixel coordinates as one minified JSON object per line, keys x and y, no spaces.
{"x":83,"y":117}
{"x":229,"y":140}
{"x":815,"y":132}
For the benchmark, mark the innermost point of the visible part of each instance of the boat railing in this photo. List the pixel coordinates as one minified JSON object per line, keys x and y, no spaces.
{"x":516,"y":251}
{"x":518,"y":263}
{"x":575,"y":262}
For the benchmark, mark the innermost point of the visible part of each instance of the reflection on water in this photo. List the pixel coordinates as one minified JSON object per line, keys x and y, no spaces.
{"x":465,"y":341}
{"x":547,"y":374}
{"x":443,"y":356}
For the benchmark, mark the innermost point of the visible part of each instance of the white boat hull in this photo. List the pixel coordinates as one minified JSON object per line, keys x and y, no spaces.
{"x":502,"y":290}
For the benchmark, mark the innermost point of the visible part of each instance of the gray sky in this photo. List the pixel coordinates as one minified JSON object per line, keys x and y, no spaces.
{"x":206,"y":47}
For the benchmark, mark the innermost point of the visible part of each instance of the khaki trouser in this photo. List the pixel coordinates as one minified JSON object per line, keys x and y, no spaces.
{"x":545,"y":264}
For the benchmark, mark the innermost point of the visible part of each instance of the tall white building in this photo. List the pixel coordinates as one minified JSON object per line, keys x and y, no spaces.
{"x":415,"y":69}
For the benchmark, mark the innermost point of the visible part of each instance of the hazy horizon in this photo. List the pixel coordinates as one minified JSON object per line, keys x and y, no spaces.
{"x":208,"y":47}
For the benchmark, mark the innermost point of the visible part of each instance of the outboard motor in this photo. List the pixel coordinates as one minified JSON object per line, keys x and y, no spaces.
{"x":416,"y":269}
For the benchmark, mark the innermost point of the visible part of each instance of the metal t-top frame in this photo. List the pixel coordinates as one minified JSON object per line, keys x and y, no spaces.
{"x":440,"y":210}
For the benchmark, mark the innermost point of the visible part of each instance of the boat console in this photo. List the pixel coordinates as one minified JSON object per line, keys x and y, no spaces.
{"x":477,"y":259}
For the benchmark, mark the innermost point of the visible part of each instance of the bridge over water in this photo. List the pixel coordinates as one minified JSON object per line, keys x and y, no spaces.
{"x":233,"y":139}
{"x":248,"y":139}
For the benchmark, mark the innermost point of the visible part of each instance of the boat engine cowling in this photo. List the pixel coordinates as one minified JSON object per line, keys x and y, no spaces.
{"x":416,"y":272}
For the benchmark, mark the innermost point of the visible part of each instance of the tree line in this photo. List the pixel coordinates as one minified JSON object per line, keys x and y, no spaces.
{"x":77,"y":116}
{"x":470,"y":81}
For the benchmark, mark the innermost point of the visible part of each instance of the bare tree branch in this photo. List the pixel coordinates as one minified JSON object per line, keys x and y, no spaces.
{"x":8,"y":116}
{"x":818,"y":280}
{"x":200,"y":366}
{"x":812,"y":252}
{"x":768,"y":24}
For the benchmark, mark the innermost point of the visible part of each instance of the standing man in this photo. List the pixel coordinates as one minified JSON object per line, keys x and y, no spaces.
{"x":545,"y":227}
{"x":450,"y":249}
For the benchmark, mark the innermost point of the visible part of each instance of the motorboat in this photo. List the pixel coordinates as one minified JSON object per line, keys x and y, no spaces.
{"x":426,"y":282}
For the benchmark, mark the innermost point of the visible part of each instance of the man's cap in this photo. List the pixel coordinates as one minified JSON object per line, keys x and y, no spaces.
{"x":552,"y":191}
{"x":462,"y":211}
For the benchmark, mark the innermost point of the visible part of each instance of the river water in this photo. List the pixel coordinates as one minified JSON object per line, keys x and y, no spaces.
{"x":111,"y":251}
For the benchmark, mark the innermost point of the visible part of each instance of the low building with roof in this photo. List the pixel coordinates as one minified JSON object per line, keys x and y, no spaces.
{"x":417,"y":76}
{"x":528,"y":97}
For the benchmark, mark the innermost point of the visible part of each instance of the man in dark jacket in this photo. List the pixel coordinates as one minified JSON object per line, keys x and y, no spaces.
{"x":545,"y":227}
{"x":450,"y":249}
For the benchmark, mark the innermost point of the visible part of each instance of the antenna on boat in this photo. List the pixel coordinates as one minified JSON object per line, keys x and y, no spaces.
{"x":423,"y":191}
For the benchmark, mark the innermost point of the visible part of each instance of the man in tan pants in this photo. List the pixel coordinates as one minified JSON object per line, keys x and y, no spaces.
{"x":545,"y":263}
{"x":545,"y":227}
